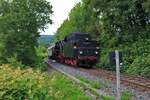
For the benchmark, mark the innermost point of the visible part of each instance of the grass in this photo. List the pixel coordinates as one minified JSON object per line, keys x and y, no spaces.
{"x":94,"y":84}
{"x":107,"y":98}
{"x":126,"y":95}
{"x":66,"y":89}
{"x":75,"y":93}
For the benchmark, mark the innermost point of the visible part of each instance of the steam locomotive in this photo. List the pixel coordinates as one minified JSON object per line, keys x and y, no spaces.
{"x":78,"y":49}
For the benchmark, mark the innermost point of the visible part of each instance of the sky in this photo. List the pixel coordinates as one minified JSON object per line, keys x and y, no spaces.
{"x":61,"y":10}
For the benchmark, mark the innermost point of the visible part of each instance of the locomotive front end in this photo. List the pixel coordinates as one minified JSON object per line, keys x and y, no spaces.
{"x":87,"y":53}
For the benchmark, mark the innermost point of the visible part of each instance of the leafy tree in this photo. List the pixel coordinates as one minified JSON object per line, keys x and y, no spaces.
{"x":20,"y":22}
{"x":82,"y":18}
{"x":116,"y":24}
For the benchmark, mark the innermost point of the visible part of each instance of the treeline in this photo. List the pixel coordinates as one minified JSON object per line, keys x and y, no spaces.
{"x":116,"y":24}
{"x":20,"y":22}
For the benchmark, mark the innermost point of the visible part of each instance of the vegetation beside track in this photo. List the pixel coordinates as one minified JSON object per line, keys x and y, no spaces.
{"x":126,"y":95}
{"x":39,"y":63}
{"x":17,"y":84}
{"x":33,"y":84}
{"x":94,"y":84}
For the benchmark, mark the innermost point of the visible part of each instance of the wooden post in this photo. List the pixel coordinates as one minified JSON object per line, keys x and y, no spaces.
{"x":117,"y":74}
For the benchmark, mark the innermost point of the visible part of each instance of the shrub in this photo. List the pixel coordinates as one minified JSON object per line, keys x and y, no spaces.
{"x":15,"y":63}
{"x":41,"y":55}
{"x":140,"y":66}
{"x":104,"y":62}
{"x":17,"y":84}
{"x":136,"y":57}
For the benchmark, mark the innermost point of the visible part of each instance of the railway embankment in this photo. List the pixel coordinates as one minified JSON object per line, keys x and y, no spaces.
{"x":104,"y":82}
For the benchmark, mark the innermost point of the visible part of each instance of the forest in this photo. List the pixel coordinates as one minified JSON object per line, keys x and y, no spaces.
{"x":116,"y":24}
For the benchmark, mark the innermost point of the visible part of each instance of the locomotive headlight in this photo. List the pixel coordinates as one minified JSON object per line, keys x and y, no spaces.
{"x":97,"y":48}
{"x":81,"y":52}
{"x":75,"y":47}
{"x":96,"y":52}
{"x":86,"y":38}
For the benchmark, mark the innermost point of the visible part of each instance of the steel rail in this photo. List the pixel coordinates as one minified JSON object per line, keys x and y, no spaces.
{"x":86,"y":85}
{"x":143,"y":85}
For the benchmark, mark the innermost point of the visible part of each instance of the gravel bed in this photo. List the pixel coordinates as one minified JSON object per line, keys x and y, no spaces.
{"x":110,"y":89}
{"x":50,"y":70}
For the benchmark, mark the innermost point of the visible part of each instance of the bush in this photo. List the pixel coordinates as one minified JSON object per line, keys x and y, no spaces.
{"x":41,"y":55}
{"x":136,"y":57}
{"x":17,"y":84}
{"x":15,"y":63}
{"x":140,"y":66}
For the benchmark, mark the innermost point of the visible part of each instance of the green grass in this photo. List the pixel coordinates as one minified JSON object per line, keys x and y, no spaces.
{"x":94,"y":84}
{"x":66,"y":89}
{"x":126,"y":95}
{"x":107,"y":98}
{"x":70,"y":91}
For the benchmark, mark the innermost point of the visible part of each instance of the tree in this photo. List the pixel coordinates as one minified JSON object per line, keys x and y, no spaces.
{"x":81,"y":19}
{"x":20,"y":22}
{"x":117,"y":24}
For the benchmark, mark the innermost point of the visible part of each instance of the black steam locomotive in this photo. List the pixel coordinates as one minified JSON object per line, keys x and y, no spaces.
{"x":78,"y":49}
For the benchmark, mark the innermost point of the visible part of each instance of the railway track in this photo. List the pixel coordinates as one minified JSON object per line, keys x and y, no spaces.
{"x":139,"y":87}
{"x":133,"y":82}
{"x":94,"y":93}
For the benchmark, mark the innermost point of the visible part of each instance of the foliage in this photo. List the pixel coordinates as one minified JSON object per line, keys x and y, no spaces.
{"x":94,"y":84}
{"x":20,"y":22}
{"x":13,"y":62}
{"x":81,"y":19}
{"x":41,"y":56}
{"x":126,"y":95}
{"x":116,"y":24}
{"x":19,"y":84}
{"x":140,"y":66}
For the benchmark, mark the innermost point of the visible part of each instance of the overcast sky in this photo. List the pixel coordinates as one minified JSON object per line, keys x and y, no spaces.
{"x":61,"y":10}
